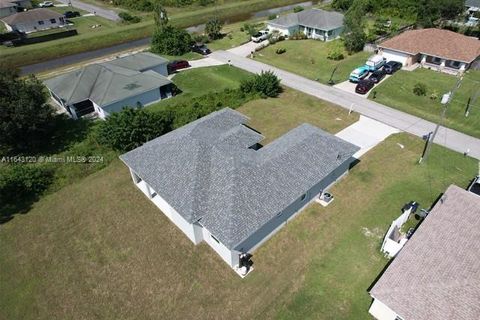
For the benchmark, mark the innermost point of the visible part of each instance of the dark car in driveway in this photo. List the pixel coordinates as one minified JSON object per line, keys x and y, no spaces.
{"x":71,"y":14}
{"x":377,"y":75}
{"x":363,"y":86}
{"x":201,"y":48}
{"x":177,"y":65}
{"x":392,"y":66}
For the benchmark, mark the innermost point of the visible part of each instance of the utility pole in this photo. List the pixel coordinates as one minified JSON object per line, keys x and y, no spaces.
{"x":446,"y":99}
{"x":471,"y":101}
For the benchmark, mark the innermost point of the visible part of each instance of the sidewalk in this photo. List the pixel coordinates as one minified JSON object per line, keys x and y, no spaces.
{"x":449,"y":138}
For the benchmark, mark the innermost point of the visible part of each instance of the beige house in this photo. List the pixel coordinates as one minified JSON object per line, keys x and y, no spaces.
{"x":438,"y":49}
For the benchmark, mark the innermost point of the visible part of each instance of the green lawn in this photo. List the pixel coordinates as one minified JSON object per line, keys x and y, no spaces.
{"x":233,"y":36}
{"x":308,"y":58}
{"x":84,"y":24}
{"x":397,"y":92}
{"x":197,"y":82}
{"x":181,"y":17}
{"x":80,"y":253}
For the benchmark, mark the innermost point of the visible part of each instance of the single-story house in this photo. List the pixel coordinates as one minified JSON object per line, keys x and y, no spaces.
{"x":103,"y":88}
{"x":442,"y":50}
{"x":34,"y":20}
{"x":314,"y":23}
{"x":436,"y":275}
{"x":472,"y":6}
{"x":216,"y":183}
{"x":9,"y":7}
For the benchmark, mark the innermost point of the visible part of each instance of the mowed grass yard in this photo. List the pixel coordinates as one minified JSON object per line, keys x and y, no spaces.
{"x":99,"y":249}
{"x":397,"y":92}
{"x":308,"y":58}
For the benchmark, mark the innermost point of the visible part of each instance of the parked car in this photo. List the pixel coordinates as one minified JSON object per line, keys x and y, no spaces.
{"x":392,"y":66}
{"x":177,"y":65}
{"x":260,"y":36}
{"x":375,"y":62}
{"x":201,"y":48}
{"x":45,"y":4}
{"x":475,"y":186}
{"x":364,"y":86}
{"x":71,"y":14}
{"x":377,"y":75}
{"x":358,"y":74}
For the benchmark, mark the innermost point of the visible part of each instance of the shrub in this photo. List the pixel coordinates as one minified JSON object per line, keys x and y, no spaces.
{"x":130,"y":128}
{"x":280,"y":50}
{"x":298,"y":35}
{"x":200,"y":38}
{"x":355,"y":40}
{"x":213,"y":28}
{"x":171,"y":40}
{"x":250,"y":29}
{"x":335,"y":52}
{"x":420,"y":89}
{"x":205,"y":3}
{"x":272,"y":16}
{"x":128,"y":18}
{"x":434,"y":95}
{"x":266,"y":84}
{"x":298,"y":9}
{"x":21,"y":181}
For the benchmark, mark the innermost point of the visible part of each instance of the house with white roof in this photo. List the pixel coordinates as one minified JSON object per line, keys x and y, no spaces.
{"x":216,"y":183}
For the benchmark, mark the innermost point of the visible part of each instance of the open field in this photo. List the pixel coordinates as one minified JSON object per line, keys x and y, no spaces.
{"x":35,"y":53}
{"x":397,"y":92}
{"x":98,"y":249}
{"x":308,"y":58}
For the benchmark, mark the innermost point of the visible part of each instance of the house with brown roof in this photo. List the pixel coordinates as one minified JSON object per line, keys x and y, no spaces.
{"x":438,"y":49}
{"x":436,"y":275}
{"x":34,"y":20}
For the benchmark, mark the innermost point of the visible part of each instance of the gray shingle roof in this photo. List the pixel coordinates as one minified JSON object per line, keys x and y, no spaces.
{"x":31,"y":15}
{"x":472,"y":3}
{"x":436,"y":275}
{"x":314,"y":18}
{"x":206,"y":171}
{"x":108,"y":82}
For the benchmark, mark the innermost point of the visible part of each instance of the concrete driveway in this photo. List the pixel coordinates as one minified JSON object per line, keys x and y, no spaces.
{"x":246,"y":49}
{"x":350,"y":87}
{"x":446,"y":137}
{"x":366,"y":133}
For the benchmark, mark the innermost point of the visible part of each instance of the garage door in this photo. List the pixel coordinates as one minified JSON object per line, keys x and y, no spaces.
{"x":395,"y":56}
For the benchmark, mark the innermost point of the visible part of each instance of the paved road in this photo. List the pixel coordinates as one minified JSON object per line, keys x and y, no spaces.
{"x":446,"y":137}
{"x":84,"y":56}
{"x":104,"y":13}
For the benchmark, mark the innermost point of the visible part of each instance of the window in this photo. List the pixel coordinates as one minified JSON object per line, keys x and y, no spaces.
{"x":303,"y":197}
{"x":214,"y":238}
{"x":41,"y":22}
{"x":455,"y":64}
{"x":53,"y":21}
{"x":436,"y":60}
{"x":61,"y":19}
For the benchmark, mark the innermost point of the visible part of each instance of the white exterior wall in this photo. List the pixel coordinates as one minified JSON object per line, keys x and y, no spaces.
{"x":282,"y":30}
{"x":32,"y":26}
{"x":230,"y":257}
{"x":381,"y":312}
{"x":396,"y":56}
{"x":187,"y":228}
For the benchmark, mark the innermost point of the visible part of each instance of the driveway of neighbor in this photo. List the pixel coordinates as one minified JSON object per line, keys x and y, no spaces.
{"x":104,"y":13}
{"x":449,"y":138}
{"x":350,"y":87}
{"x":366,"y":133}
{"x":246,"y":49}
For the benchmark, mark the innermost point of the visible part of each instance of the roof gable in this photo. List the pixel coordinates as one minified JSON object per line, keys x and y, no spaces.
{"x":437,"y":42}
{"x":206,"y":171}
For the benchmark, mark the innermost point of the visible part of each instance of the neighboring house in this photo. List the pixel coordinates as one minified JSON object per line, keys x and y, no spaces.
{"x":438,"y":49}
{"x":34,"y":20}
{"x":9,"y":7}
{"x":472,"y":6}
{"x":436,"y":275}
{"x":314,"y":23}
{"x":217,"y":184}
{"x":103,"y":88}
